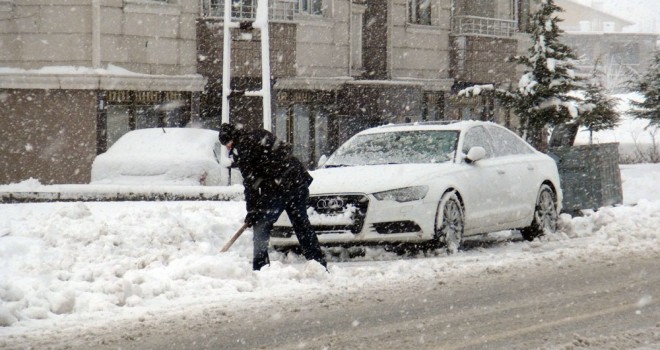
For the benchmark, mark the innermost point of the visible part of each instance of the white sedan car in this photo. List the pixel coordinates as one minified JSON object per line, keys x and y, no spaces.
{"x":430,"y":183}
{"x":161,"y":156}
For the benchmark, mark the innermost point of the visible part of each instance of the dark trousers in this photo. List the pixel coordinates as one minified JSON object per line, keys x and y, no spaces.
{"x":295,"y":204}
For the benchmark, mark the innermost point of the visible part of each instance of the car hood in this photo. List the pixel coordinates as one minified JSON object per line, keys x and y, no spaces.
{"x":374,"y":178}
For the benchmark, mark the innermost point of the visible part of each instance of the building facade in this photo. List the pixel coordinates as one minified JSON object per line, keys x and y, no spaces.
{"x":599,"y":40}
{"x":337,"y":67}
{"x":340,"y":66}
{"x":77,"y":74}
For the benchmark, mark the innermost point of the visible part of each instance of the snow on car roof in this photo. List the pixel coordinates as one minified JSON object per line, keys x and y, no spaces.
{"x":432,"y":125}
{"x":181,"y":156}
{"x":170,"y":141}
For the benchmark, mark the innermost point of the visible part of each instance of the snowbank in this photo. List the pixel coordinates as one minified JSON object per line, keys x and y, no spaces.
{"x":81,"y":263}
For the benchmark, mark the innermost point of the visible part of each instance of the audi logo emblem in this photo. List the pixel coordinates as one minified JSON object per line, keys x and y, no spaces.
{"x":330,"y":203}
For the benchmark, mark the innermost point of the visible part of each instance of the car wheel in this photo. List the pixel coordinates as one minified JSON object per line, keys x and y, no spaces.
{"x":545,"y":215}
{"x":450,"y":222}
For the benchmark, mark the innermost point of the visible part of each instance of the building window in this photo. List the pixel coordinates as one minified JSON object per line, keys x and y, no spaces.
{"x":124,"y":111}
{"x":434,"y":106}
{"x":522,"y":14}
{"x":305,"y":127}
{"x":312,"y":7}
{"x":356,"y":38}
{"x":419,"y":12}
{"x":277,"y":9}
{"x":6,"y":5}
{"x":292,"y":125}
{"x":494,"y":18}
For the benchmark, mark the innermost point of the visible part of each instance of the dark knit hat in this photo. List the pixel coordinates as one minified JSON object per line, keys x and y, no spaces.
{"x":227,"y":133}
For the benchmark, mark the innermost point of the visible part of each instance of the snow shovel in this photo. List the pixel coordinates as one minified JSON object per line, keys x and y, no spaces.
{"x":234,"y":238}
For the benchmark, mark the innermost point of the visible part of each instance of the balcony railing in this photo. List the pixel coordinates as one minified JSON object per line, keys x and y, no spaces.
{"x":472,"y":25}
{"x":242,"y":10}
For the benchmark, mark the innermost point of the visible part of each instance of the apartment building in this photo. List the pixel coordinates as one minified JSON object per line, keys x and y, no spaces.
{"x":340,"y":66}
{"x":77,"y":74}
{"x":600,"y":38}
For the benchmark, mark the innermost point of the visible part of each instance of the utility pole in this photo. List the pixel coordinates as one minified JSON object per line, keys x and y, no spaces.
{"x":260,"y":23}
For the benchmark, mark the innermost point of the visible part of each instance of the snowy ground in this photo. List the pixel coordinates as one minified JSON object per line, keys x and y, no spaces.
{"x":82,"y":264}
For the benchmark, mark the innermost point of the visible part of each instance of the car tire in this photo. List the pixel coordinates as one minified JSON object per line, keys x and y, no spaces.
{"x":545,"y":215}
{"x":450,"y":222}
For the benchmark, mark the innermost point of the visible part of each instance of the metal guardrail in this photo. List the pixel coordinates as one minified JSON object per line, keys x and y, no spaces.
{"x":44,"y":197}
{"x":245,"y":10}
{"x":483,"y":26}
{"x":80,"y":193}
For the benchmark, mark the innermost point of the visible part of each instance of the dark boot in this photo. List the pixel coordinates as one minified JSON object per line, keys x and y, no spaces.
{"x":259,"y":262}
{"x":322,"y":261}
{"x":260,"y":258}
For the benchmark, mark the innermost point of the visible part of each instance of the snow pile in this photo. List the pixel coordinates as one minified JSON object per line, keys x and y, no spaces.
{"x":109,"y":70}
{"x":84,"y":262}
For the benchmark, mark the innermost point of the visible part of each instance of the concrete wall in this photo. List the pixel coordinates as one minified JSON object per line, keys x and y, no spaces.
{"x":246,"y":54}
{"x":635,"y":49}
{"x":501,"y":9}
{"x":145,"y":37}
{"x":420,"y":51}
{"x":575,"y":13}
{"x":49,"y":135}
{"x":322,"y":43}
{"x":483,"y":59}
{"x":34,"y":34}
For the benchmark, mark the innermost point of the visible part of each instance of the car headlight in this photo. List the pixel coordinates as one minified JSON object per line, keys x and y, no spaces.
{"x":405,"y":194}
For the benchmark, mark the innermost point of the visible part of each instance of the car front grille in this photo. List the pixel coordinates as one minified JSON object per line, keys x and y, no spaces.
{"x":332,"y":214}
{"x":353,"y":207}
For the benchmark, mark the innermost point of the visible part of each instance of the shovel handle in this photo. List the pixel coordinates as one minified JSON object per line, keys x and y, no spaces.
{"x":234,"y":238}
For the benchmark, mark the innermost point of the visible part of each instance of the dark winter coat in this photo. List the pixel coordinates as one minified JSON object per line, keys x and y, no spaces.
{"x":268,"y":168}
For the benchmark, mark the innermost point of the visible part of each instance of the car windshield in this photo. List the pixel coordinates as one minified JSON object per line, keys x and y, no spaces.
{"x":400,"y":147}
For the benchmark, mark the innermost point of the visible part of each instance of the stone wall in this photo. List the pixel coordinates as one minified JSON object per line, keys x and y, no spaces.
{"x":483,"y":59}
{"x":146,"y":37}
{"x":48,"y":134}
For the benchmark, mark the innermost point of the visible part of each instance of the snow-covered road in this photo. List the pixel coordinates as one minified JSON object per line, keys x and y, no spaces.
{"x":592,"y":303}
{"x":84,"y":267}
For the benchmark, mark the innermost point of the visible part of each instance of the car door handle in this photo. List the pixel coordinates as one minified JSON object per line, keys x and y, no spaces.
{"x":530,"y":167}
{"x":501,"y":172}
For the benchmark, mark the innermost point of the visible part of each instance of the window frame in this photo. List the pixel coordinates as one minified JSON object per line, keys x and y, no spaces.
{"x":413,"y":13}
{"x":506,"y":143}
{"x":279,"y":10}
{"x":487,"y":141}
{"x":6,"y":5}
{"x":137,"y":105}
{"x":160,"y":7}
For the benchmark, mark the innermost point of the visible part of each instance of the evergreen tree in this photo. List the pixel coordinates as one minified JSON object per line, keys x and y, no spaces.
{"x":597,"y":111}
{"x":649,"y":87}
{"x":542,"y":99}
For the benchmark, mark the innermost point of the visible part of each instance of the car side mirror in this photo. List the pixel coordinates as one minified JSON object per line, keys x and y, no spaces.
{"x":322,"y":161}
{"x":476,"y":154}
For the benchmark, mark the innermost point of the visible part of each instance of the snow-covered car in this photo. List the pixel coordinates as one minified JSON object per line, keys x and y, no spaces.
{"x":161,"y":156}
{"x":434,"y":182}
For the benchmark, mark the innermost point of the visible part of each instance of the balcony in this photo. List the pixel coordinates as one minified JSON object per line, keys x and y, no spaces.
{"x":483,"y":26}
{"x":245,"y":10}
